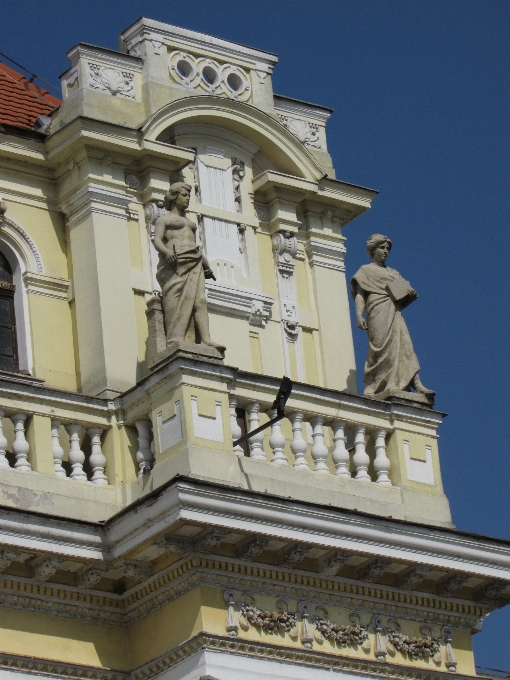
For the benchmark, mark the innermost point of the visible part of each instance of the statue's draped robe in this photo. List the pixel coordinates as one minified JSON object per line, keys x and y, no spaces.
{"x":181,"y":289}
{"x":391,"y":361}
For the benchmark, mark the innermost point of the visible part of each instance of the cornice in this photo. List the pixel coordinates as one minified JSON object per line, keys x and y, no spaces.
{"x":144,"y":29}
{"x":238,"y":510}
{"x":227,"y":645}
{"x":307,"y":658}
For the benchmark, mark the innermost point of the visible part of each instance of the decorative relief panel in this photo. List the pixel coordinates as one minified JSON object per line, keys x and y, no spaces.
{"x":111,"y":80}
{"x":308,"y":627}
{"x":210,"y":76}
{"x":285,"y":251}
{"x":307,"y":133}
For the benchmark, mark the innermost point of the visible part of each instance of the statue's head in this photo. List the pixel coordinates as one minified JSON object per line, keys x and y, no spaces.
{"x":179,"y":193}
{"x":375,"y":241}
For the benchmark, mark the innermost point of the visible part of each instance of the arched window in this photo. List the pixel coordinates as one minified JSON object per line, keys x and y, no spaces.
{"x":8,"y":344}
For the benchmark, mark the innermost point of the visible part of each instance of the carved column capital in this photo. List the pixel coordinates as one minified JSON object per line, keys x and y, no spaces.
{"x":95,"y":198}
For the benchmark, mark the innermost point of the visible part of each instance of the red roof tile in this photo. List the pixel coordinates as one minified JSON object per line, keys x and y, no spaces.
{"x":21,"y":101}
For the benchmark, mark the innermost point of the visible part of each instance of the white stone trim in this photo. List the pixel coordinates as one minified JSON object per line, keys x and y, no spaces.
{"x":209,"y":132}
{"x":239,"y":302}
{"x":317,"y":526}
{"x":147,"y":29}
{"x":24,"y":257}
{"x":205,"y":427}
{"x":50,"y":286}
{"x":25,"y":245}
{"x":304,"y":109}
{"x":105,"y":56}
{"x":95,"y":198}
{"x":324,"y":254}
{"x":419,"y":470}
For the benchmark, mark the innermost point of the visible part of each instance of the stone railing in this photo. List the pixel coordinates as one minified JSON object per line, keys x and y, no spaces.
{"x":347,"y":456}
{"x":16,"y":453}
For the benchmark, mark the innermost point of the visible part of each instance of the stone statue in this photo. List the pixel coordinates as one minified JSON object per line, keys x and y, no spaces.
{"x":380,"y":292}
{"x":182,"y":270}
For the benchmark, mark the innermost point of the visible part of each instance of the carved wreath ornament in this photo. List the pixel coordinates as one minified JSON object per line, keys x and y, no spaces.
{"x":117,"y":83}
{"x":308,"y":628}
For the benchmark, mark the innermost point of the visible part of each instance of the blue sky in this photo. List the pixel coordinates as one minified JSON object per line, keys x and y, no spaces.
{"x":420,"y":90}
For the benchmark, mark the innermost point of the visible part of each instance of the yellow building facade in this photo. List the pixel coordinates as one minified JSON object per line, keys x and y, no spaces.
{"x":136,"y":540}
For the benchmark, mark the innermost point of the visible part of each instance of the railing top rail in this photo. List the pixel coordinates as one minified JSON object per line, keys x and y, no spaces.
{"x":256,"y":387}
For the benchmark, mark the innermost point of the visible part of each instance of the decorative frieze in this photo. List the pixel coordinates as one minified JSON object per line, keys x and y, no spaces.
{"x":333,"y":563}
{"x":244,"y":303}
{"x":45,"y":569}
{"x":291,"y":557}
{"x":285,"y":251}
{"x":310,"y":627}
{"x":252,"y":549}
{"x":373,"y":570}
{"x":449,"y":586}
{"x":91,"y":576}
{"x":203,"y":545}
{"x":344,"y":636}
{"x":111,"y":80}
{"x":411,"y":578}
{"x":414,"y":648}
{"x":6,"y":557}
{"x":492,"y":594}
{"x":305,"y":131}
{"x":209,"y":75}
{"x":238,"y":174}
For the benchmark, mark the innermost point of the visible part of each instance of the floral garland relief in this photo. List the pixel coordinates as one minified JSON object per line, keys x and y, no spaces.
{"x":307,"y":627}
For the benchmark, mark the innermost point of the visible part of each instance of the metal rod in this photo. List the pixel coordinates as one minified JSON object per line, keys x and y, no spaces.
{"x":259,"y":429}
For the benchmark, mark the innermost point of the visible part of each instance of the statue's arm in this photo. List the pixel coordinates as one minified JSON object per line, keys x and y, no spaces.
{"x":208,"y":272}
{"x":359,"y":303}
{"x":159,"y":235}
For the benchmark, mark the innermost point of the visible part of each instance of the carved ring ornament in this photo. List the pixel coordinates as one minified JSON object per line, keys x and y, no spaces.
{"x":208,"y":75}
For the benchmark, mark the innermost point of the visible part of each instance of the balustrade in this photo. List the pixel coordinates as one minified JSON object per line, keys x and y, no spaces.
{"x":256,"y":451}
{"x":76,"y":457}
{"x":327,"y":449}
{"x":314,"y":441}
{"x":145,"y":454}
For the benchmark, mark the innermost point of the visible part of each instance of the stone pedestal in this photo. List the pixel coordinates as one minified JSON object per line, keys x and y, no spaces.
{"x":159,"y":352}
{"x":401,"y":395}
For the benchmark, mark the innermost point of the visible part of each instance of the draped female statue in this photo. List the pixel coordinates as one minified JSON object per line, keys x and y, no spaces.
{"x":382,"y":293}
{"x":182,"y":270}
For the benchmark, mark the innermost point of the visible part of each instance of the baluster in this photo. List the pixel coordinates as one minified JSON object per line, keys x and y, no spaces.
{"x":319,"y":449}
{"x":381,"y":462}
{"x":256,"y":451}
{"x":76,"y":455}
{"x":145,"y":454}
{"x":340,"y":453}
{"x":20,"y":445}
{"x":236,"y":428}
{"x":277,"y":442}
{"x":58,"y":451}
{"x":360,"y":459}
{"x":298,"y":445}
{"x":4,"y":463}
{"x":97,"y":458}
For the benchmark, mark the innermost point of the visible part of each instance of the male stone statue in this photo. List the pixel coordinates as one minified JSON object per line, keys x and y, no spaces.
{"x":181,"y":273}
{"x":380,"y":292}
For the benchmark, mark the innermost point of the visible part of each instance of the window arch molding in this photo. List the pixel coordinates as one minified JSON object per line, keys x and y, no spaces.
{"x":276,"y":143}
{"x":23,"y":256}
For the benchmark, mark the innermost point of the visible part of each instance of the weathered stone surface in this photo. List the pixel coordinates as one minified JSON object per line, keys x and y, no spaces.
{"x":381,"y":293}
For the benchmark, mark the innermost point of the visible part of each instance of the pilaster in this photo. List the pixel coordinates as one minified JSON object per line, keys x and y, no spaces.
{"x":326,"y":259}
{"x":105,"y":313}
